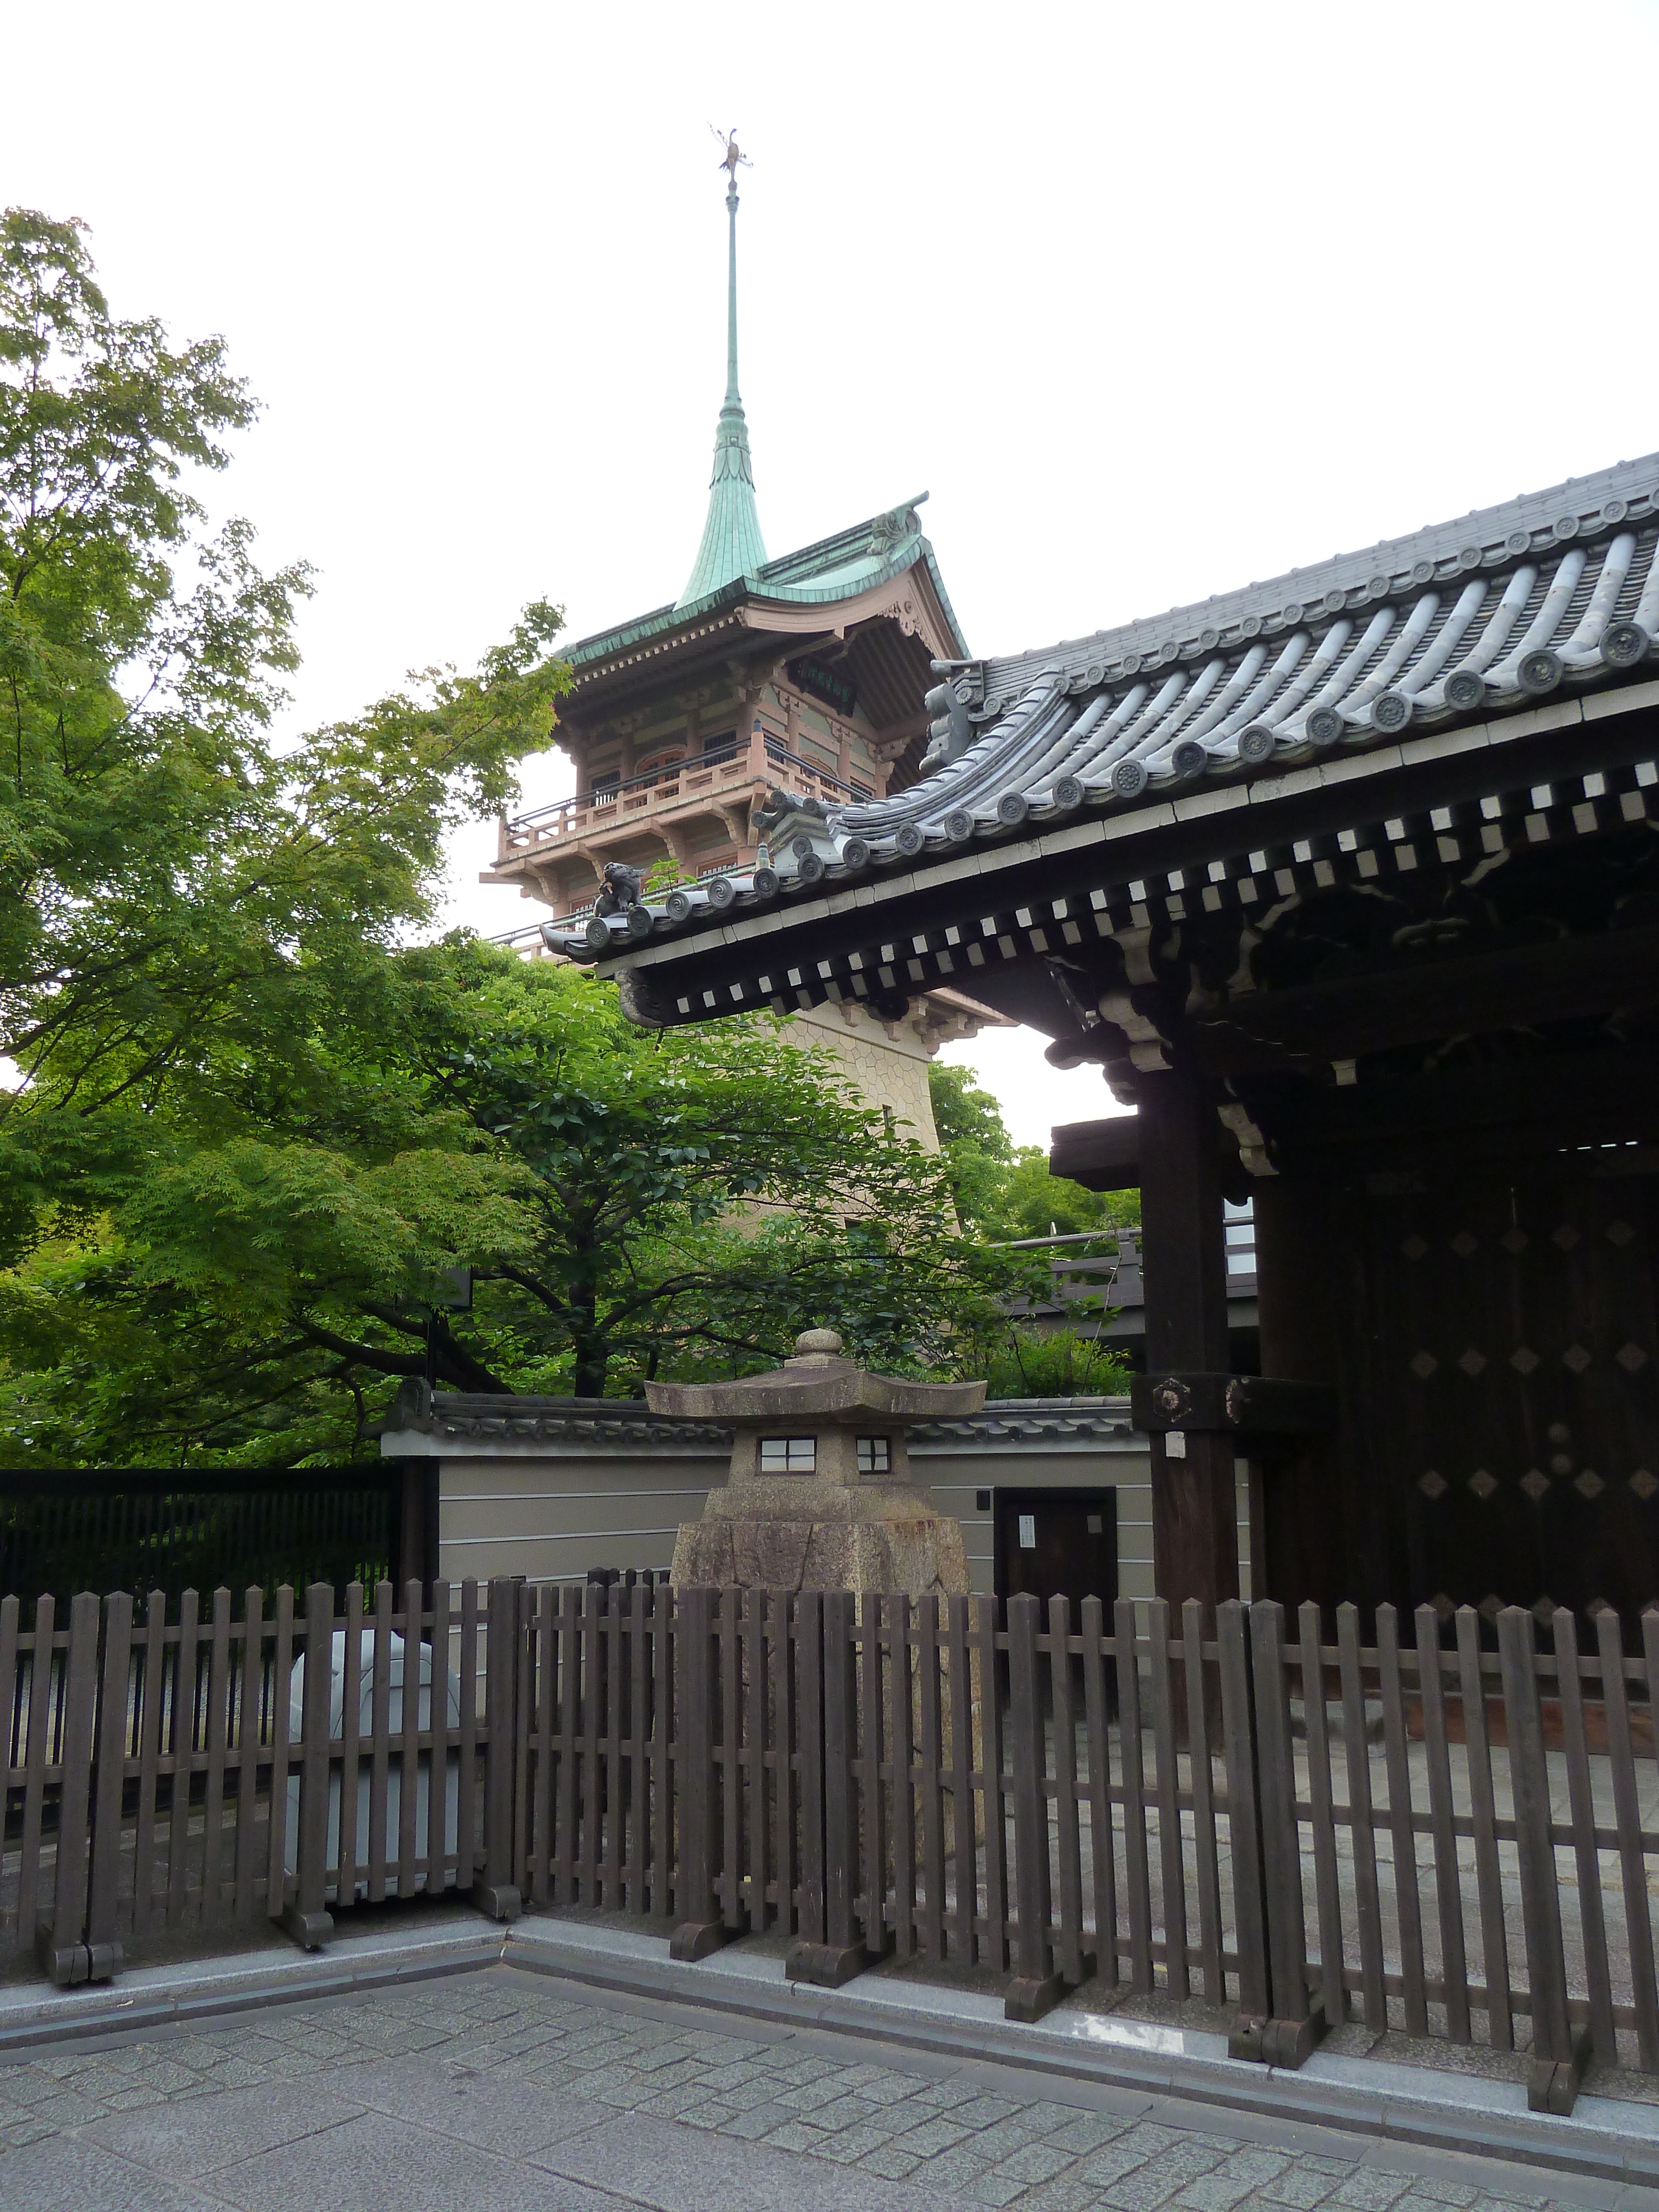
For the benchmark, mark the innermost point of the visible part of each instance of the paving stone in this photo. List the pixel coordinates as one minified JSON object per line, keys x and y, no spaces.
{"x":850,"y":2111}
{"x":1254,"y":2164}
{"x":892,"y":2163}
{"x":1371,"y":2189}
{"x":944,"y":2095}
{"x":380,"y":2162}
{"x":1037,"y":2161}
{"x":1141,"y":2191}
{"x":792,"y":2136}
{"x":1214,"y":2192}
{"x":990,"y":2190}
{"x":1111,"y":2163}
{"x":1086,"y":2131}
{"x":851,"y":2145}
{"x":1006,"y":2136}
{"x":703,"y":2115}
{"x":527,"y":2077}
{"x":1069,"y":2195}
{"x":759,"y":2120}
{"x":757,"y":2089}
{"x":892,"y":2089}
{"x":735,"y":2075}
{"x":1302,"y":2186}
{"x":953,"y":2169}
{"x":669,"y":2104}
{"x":189,"y":2138}
{"x":933,"y":2135}
{"x":59,"y":2173}
{"x":512,"y":2119}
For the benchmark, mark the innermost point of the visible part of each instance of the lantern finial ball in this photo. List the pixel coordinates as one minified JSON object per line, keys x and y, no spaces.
{"x":823,"y":1343}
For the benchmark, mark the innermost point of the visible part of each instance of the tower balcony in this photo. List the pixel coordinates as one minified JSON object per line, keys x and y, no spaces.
{"x":695,"y":812}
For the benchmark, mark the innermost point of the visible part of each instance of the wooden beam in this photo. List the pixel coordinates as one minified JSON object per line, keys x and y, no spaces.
{"x":1417,"y":1004}
{"x":1100,"y":1155}
{"x":1550,"y":1101}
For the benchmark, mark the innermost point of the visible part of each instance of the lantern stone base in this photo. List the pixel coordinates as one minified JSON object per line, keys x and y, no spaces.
{"x":795,"y":1533}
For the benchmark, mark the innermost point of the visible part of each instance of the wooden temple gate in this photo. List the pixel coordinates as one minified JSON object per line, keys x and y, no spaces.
{"x":1348,"y":881}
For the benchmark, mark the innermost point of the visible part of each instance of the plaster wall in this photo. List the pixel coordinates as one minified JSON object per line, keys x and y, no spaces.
{"x":551,"y":1513}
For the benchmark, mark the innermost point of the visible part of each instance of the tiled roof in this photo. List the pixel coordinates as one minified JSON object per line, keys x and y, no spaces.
{"x":1555,"y":591}
{"x":454,"y":1419}
{"x":1011,"y":1422}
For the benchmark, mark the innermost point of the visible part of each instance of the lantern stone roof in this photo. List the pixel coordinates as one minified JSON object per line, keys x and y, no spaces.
{"x":815,"y":1384}
{"x":1465,"y":622}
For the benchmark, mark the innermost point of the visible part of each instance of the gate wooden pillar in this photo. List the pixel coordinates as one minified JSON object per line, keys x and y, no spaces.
{"x":1183,"y":1256}
{"x":1309,"y":1514}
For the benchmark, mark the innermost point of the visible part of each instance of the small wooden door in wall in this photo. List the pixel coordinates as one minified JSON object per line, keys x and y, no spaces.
{"x":1057,"y":1543}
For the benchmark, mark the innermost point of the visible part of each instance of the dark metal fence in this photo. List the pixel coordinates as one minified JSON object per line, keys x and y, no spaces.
{"x":149,"y":1529}
{"x":1452,"y":1842}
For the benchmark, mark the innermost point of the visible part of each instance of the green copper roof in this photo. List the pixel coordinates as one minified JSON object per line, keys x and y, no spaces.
{"x":839,"y":567}
{"x":731,"y":543}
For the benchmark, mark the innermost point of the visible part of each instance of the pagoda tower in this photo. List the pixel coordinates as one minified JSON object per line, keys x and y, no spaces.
{"x":803,"y":676}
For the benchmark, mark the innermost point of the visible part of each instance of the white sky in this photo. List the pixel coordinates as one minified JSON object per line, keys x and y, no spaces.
{"x":1153,"y":299}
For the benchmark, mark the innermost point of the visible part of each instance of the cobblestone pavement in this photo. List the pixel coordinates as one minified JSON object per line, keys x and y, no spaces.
{"x":494,"y":2090}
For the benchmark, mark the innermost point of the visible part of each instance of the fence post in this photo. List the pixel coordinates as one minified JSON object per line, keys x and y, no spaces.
{"x":1295,"y":2027}
{"x":841,"y":1955}
{"x":701,"y":1926}
{"x":109,"y":1772}
{"x":1035,"y":1988}
{"x":495,"y":1892}
{"x":1559,"y":2059}
{"x":61,"y":1949}
{"x":1248,"y":2038}
{"x":308,"y":1920}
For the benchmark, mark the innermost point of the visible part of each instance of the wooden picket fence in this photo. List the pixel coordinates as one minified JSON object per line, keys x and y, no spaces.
{"x":189,"y":1773}
{"x":1420,"y":1832}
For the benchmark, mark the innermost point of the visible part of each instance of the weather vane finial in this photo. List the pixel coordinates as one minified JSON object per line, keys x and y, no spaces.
{"x":732,"y":160}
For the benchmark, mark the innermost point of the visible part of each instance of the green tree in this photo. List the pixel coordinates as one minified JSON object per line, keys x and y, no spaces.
{"x":1061,"y":1363}
{"x":1004,"y":1193}
{"x":164,"y":865}
{"x":256,"y":1123}
{"x":629,"y":1205}
{"x":198,"y":925}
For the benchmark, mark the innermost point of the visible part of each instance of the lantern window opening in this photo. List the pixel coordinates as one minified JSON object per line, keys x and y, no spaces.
{"x":788,"y":1454}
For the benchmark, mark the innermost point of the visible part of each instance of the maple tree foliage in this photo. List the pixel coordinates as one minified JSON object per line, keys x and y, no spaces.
{"x":255,"y":1121}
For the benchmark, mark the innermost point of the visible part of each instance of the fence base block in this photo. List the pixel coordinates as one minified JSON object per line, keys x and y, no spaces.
{"x":826,"y":1964}
{"x":1029,"y":2000}
{"x":68,"y":1964}
{"x":696,"y":1939}
{"x":498,"y":1900}
{"x":1287,"y":2043}
{"x":1552,"y":2084}
{"x":310,"y":1930}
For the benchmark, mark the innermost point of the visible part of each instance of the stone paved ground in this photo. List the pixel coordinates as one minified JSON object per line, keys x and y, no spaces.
{"x":494,"y":2091}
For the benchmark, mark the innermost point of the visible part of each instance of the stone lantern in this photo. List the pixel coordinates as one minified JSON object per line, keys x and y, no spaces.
{"x":820,"y":1496}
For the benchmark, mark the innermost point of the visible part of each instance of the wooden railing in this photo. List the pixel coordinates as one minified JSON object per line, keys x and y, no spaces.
{"x":766,"y":760}
{"x":1420,"y":1831}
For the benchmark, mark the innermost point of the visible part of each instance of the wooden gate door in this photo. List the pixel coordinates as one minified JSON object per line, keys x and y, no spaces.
{"x":1511,"y":1383}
